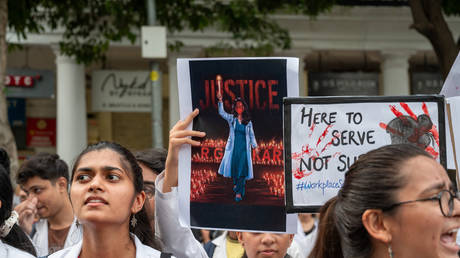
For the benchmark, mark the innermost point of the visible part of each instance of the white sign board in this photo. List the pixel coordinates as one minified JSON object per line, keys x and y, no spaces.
{"x":121,"y":91}
{"x":324,"y":136}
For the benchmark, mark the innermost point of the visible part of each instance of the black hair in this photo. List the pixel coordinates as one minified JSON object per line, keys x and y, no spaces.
{"x":325,"y":245}
{"x":44,"y":165}
{"x":5,"y":160}
{"x":371,"y":182}
{"x":142,"y":229}
{"x":246,"y":115}
{"x":154,"y":159}
{"x":16,"y":237}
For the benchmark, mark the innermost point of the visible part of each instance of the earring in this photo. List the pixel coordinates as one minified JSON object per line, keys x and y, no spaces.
{"x":390,"y":251}
{"x":77,"y":223}
{"x":133,"y":221}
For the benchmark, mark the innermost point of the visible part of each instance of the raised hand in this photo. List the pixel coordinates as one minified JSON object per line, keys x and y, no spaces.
{"x":178,"y":136}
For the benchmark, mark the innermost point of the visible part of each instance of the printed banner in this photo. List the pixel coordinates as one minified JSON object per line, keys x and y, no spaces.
{"x":235,"y":179}
{"x":325,"y":136}
{"x":41,"y":132}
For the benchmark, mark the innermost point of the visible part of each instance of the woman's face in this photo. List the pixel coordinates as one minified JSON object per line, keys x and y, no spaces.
{"x":419,"y":229}
{"x":239,"y":107}
{"x":102,"y":190}
{"x":259,"y":245}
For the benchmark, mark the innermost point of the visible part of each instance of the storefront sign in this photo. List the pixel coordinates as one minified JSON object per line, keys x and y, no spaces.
{"x":28,"y":83}
{"x":121,"y":91}
{"x":21,"y":81}
{"x":426,"y":83}
{"x":343,"y":84}
{"x":41,"y":132}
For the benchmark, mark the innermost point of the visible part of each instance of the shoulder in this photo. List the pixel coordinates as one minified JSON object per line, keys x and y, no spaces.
{"x":9,"y":251}
{"x":220,"y":240}
{"x":143,"y":250}
{"x":69,"y":252}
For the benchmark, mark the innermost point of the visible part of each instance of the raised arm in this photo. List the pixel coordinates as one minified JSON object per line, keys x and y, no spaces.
{"x":176,"y":239}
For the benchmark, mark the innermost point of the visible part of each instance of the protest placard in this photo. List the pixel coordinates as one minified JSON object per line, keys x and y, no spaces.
{"x":235,"y":179}
{"x":324,"y":136}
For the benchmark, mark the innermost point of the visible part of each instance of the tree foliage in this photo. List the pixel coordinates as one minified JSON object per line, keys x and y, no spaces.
{"x":88,"y":26}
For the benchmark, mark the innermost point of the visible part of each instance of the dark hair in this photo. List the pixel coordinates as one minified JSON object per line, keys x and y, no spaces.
{"x":246,"y":115}
{"x":142,"y":229}
{"x":325,"y":245}
{"x":5,"y":160}
{"x":44,"y":165}
{"x":154,"y":159}
{"x":16,"y":238}
{"x":370,"y":183}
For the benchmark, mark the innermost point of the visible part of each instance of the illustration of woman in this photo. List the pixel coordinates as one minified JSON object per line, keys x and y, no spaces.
{"x":237,"y":161}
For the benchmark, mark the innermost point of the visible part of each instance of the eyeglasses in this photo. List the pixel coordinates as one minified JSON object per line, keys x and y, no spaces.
{"x":149,"y":189}
{"x":445,"y":199}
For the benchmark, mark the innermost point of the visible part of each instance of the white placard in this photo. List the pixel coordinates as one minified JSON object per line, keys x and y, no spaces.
{"x":327,"y":136}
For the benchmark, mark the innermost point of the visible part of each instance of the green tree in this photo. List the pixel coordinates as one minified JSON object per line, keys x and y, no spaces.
{"x":428,"y":19}
{"x":90,"y":25}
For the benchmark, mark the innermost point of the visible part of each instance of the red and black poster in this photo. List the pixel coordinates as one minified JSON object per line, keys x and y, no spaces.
{"x":235,"y":179}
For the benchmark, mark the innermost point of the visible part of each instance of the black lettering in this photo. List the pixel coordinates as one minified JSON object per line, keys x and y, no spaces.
{"x":306,"y":116}
{"x":343,"y":162}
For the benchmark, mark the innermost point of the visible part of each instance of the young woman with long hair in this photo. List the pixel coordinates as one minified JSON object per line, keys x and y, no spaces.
{"x":107,"y":198}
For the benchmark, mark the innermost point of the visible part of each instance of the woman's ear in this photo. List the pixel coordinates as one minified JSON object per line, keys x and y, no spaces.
{"x":291,"y":237}
{"x":240,"y":237}
{"x":377,"y":225}
{"x":138,"y":202}
{"x":0,"y":204}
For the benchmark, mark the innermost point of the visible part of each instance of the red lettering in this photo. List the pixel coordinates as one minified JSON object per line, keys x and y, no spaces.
{"x":213,"y":94}
{"x":204,"y":152}
{"x":271,"y":94}
{"x":206,"y":93}
{"x":262,"y":83}
{"x":218,"y":153}
{"x":266,"y":155}
{"x":241,"y":83}
{"x":251,"y":95}
{"x":229,"y":93}
{"x":277,"y":155}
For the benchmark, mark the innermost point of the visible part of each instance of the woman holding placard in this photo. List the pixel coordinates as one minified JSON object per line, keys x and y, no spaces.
{"x":396,"y":201}
{"x":237,"y":161}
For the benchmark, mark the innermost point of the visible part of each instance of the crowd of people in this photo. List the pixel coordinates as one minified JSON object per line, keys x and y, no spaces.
{"x":396,"y":201}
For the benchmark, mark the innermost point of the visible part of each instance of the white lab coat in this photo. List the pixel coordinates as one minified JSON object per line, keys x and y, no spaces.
{"x":142,"y":251}
{"x":176,"y":239}
{"x":221,"y":246}
{"x":306,"y":243}
{"x":7,"y":251}
{"x":220,"y":251}
{"x":40,"y":238}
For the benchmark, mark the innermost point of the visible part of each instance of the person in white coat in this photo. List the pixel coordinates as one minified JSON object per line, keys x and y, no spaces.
{"x":45,"y":179}
{"x":176,"y":239}
{"x":14,"y":243}
{"x":108,"y":202}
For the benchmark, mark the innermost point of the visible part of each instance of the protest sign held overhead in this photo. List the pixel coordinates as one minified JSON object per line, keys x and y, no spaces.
{"x":235,"y":178}
{"x":324,"y":136}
